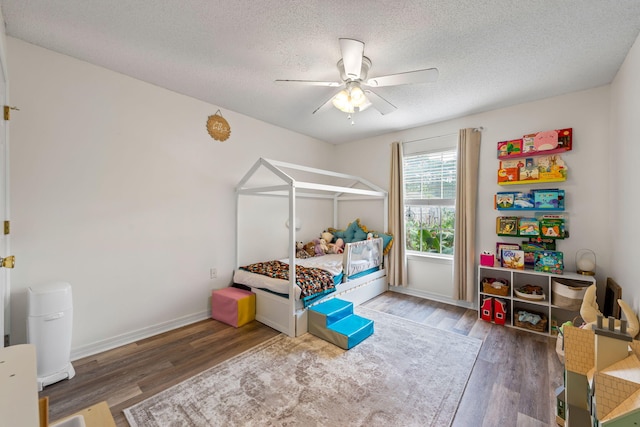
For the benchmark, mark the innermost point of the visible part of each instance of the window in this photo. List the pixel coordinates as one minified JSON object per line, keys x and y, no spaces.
{"x":429,"y":201}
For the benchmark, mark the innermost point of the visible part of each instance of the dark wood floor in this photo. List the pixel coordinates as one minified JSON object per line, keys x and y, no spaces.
{"x":512,"y":383}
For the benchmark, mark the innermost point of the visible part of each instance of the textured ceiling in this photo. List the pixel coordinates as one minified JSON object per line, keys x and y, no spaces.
{"x":490,"y":54}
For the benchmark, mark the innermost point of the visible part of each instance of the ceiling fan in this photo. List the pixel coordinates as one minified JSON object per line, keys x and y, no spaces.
{"x":354,"y":68}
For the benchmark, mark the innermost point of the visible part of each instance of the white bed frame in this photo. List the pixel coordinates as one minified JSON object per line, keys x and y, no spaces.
{"x":287,"y":315}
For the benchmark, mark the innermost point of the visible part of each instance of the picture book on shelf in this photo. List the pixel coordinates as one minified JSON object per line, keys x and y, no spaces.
{"x":530,"y":249}
{"x":528,"y":227}
{"x":529,"y":171}
{"x":513,"y":259}
{"x":542,"y":199}
{"x":548,"y":199}
{"x":501,"y":246}
{"x":552,"y":228}
{"x":549,"y":262}
{"x":509,"y":148}
{"x":507,"y":225}
{"x":504,"y":200}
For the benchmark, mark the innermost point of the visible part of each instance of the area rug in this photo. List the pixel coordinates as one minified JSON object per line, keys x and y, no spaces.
{"x":405,"y":374}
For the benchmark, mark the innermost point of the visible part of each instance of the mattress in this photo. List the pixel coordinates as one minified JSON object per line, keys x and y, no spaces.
{"x":331,"y":263}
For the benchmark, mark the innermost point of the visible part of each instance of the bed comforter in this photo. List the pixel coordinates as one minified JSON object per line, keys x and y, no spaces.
{"x":311,"y":281}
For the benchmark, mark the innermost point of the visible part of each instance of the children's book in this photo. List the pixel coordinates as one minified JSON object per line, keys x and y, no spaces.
{"x":528,"y":227}
{"x":513,"y":259}
{"x":507,"y":225}
{"x":549,"y":262}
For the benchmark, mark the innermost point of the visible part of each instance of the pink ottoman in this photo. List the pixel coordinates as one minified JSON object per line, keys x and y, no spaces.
{"x":233,"y":306}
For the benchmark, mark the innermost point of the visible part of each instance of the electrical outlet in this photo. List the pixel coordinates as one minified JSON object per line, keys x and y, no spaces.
{"x":214,"y":273}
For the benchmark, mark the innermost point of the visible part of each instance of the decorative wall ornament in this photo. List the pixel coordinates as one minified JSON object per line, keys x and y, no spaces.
{"x":218,"y":127}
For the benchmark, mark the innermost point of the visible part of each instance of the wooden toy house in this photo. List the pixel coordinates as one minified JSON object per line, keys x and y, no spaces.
{"x":602,"y":377}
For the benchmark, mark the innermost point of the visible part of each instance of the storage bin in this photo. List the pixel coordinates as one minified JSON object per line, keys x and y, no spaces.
{"x":540,"y":326}
{"x":568,"y":293}
{"x":495,"y":286}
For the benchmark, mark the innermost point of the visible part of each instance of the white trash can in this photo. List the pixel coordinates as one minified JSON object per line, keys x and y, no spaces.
{"x":49,"y":329}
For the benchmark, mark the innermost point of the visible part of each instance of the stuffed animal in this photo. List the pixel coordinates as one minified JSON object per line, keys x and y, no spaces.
{"x":370,"y":236}
{"x":337,"y":247}
{"x":328,"y":237}
{"x":321,"y":247}
{"x":310,"y":249}
{"x":300,"y":251}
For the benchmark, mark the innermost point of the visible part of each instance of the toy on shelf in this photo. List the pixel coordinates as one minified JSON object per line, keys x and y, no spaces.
{"x":546,"y":142}
{"x":499,"y":311}
{"x":486,"y":309}
{"x":487,"y":259}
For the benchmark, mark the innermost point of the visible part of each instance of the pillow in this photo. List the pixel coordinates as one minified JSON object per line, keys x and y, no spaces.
{"x":356,"y":232}
{"x":387,"y":241}
{"x":353,"y":233}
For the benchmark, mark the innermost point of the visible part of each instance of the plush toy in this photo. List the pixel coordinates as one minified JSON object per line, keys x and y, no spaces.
{"x":319,"y":247}
{"x":300,"y":251}
{"x":337,"y":247}
{"x":328,"y":237}
{"x":370,"y":236}
{"x":310,"y":249}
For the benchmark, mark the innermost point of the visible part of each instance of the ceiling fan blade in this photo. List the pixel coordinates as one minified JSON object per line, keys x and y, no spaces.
{"x":419,"y":76}
{"x":326,"y":104}
{"x":379,"y":103}
{"x":312,"y":83}
{"x":352,"y":51}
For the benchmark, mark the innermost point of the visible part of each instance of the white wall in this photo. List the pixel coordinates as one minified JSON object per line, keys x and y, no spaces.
{"x":587,"y":112}
{"x":118,"y":189}
{"x":624,"y":203}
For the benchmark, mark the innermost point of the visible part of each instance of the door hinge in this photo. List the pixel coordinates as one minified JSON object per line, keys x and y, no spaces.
{"x":7,"y":227}
{"x":7,"y":111}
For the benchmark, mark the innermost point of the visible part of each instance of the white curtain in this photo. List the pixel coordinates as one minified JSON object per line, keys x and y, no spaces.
{"x":397,"y":260}
{"x":465,"y":226}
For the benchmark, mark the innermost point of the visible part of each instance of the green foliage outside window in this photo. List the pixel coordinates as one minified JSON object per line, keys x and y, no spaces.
{"x":430,"y":191}
{"x":430,"y":229}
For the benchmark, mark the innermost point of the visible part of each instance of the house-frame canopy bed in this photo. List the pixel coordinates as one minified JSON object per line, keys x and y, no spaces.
{"x":285,"y":310}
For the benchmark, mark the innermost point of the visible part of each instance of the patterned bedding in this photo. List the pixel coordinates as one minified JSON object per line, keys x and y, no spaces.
{"x":311,"y":281}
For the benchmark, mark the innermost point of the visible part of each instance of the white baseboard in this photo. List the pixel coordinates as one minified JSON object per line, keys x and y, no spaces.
{"x":433,"y":297}
{"x":129,"y":337}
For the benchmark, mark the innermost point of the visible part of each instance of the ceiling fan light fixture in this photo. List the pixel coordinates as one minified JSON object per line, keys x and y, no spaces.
{"x":351,"y":99}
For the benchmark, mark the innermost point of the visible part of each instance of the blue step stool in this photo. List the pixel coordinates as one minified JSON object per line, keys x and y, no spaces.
{"x":334,"y":321}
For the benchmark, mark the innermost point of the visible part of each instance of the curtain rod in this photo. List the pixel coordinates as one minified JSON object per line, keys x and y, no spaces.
{"x":478,"y":129}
